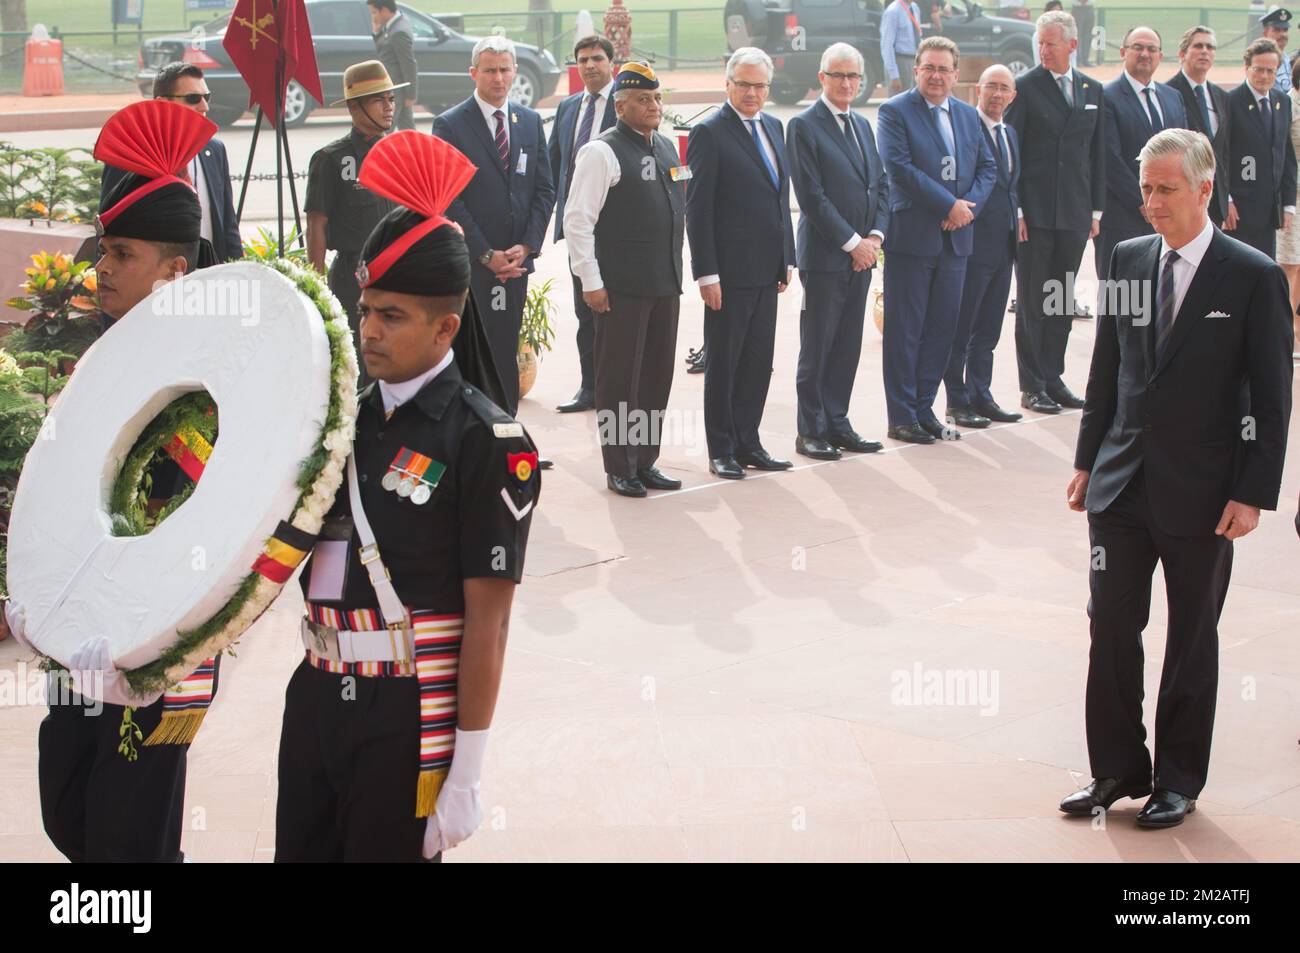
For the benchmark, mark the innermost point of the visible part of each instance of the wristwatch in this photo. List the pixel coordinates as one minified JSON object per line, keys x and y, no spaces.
{"x":485,"y":259}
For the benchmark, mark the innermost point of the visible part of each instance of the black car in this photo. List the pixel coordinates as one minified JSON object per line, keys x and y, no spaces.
{"x":341,"y":33}
{"x":795,"y":32}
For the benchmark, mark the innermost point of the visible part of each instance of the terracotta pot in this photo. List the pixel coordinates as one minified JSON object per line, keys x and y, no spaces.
{"x":527,"y":362}
{"x":878,"y":310}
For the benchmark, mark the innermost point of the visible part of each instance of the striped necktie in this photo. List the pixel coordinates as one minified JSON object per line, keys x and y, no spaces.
{"x":1165,"y":304}
{"x":1205,"y":109}
{"x":503,"y":144}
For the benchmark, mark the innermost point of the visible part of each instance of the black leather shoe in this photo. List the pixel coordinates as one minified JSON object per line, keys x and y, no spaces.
{"x":582,"y":400}
{"x":816,"y":448}
{"x":544,"y":464}
{"x":727,"y":468}
{"x":910,"y":433}
{"x":760,"y":459}
{"x":993,"y":412}
{"x":1040,"y":403}
{"x":852,"y":440}
{"x":966,"y":417}
{"x":938,"y":431}
{"x":694,"y":357}
{"x":625,"y":486}
{"x":1165,"y":809}
{"x":1103,"y":792}
{"x":656,"y":479}
{"x":1066,"y":398}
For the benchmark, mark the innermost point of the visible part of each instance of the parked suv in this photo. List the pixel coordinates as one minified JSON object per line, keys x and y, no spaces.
{"x":341,"y":34}
{"x":795,"y":32}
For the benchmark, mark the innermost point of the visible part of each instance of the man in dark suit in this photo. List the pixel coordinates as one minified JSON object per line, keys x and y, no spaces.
{"x":941,"y":172}
{"x":1262,"y":194}
{"x":209,"y":171}
{"x":1206,"y":105}
{"x":741,"y":234}
{"x":506,"y":206}
{"x":969,"y":378}
{"x":843,"y":193}
{"x":1058,"y":118}
{"x":1137,"y":107}
{"x":395,"y":46}
{"x":579,"y":119}
{"x":1181,"y":444}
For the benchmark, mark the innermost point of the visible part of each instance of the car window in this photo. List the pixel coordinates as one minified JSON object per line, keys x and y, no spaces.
{"x":420,"y":27}
{"x":820,"y":3}
{"x":338,"y":19}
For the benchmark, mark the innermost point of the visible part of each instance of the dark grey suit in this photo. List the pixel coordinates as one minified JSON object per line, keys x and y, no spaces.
{"x":395,"y":46}
{"x":1195,"y":120}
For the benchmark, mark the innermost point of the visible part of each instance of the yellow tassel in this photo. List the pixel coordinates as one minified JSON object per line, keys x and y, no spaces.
{"x":177,"y":728}
{"x":426,"y":796}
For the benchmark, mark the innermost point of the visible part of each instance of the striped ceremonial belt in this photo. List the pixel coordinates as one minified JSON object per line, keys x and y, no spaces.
{"x":184,"y":705}
{"x":436,"y":638}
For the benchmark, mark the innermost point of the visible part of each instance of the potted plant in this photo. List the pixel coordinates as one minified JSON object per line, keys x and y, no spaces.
{"x":535,"y":333}
{"x":59,"y":294}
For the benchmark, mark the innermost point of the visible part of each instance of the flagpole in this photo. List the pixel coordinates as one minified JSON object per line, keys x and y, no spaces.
{"x":248,"y":166}
{"x":279,"y":130}
{"x":293,"y":188}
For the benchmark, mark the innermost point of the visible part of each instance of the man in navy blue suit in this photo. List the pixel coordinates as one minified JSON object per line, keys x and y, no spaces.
{"x":941,"y":172}
{"x":969,"y":377}
{"x":1137,"y":107}
{"x":579,"y":119}
{"x":844,"y":196}
{"x":742,"y":254}
{"x":507,"y":205}
{"x":209,"y":171}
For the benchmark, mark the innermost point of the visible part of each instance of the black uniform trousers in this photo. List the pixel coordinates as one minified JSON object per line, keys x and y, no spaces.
{"x":969,"y":377}
{"x":97,"y":806}
{"x":830,"y":344}
{"x":586,"y":338}
{"x":1197,"y":570}
{"x":501,"y":308}
{"x":635,"y":341}
{"x":342,"y":281}
{"x":1043,"y":264}
{"x":349,"y":769}
{"x":740,"y":340}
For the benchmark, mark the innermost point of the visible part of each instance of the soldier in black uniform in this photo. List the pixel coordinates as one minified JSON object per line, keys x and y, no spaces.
{"x":409,"y":593}
{"x":341,"y":213}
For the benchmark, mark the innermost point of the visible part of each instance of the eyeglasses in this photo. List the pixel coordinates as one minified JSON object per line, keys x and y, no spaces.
{"x":840,"y":77}
{"x":1143,"y":48}
{"x":191,"y":99}
{"x":940,"y":70}
{"x":1262,"y":71}
{"x":756,"y":87}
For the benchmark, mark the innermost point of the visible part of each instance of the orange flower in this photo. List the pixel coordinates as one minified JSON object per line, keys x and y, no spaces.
{"x":50,"y":284}
{"x":89,"y":282}
{"x":82,"y":303}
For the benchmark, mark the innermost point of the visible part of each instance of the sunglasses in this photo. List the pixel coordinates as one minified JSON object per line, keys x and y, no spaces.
{"x":192,"y":99}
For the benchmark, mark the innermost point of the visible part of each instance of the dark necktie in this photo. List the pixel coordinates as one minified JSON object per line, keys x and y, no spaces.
{"x":1205,"y":108}
{"x":762,"y":153}
{"x":1165,"y":304}
{"x":1266,"y":117}
{"x":584,"y":128}
{"x":854,"y":146}
{"x":1153,"y":112}
{"x":1004,"y":158}
{"x":503,"y":144}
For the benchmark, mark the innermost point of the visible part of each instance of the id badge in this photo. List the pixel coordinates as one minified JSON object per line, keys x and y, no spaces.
{"x":522,"y":167}
{"x":681,"y":173}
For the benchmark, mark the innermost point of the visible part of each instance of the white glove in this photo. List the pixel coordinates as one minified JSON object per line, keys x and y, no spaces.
{"x":459,"y":811}
{"x":95,"y":659}
{"x":16,"y":619}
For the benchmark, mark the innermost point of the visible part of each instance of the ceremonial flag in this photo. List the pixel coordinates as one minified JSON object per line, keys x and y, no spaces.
{"x":259,"y":33}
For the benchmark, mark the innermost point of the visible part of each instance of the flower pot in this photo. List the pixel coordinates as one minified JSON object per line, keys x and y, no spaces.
{"x":527,"y":363}
{"x":878,"y":310}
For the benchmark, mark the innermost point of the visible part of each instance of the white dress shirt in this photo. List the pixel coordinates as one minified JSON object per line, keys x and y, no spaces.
{"x":205,"y":200}
{"x":595,"y":171}
{"x":992,"y":125}
{"x":395,"y":395}
{"x":1140,"y":90}
{"x":598,"y":104}
{"x":771,"y":157}
{"x":1189,"y":259}
{"x":855,"y":239}
{"x":487,"y":109}
{"x":1209,"y":102}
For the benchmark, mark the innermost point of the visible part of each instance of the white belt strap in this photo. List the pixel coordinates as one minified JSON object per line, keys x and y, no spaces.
{"x":390,"y":606}
{"x":341,"y":645}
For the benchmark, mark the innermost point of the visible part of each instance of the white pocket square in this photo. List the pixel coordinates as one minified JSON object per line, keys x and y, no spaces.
{"x":1218,"y":314}
{"x":1090,"y":106}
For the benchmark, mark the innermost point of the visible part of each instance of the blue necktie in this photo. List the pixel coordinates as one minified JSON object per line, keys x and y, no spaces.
{"x":852,"y":139}
{"x":1153,"y":112}
{"x":762,"y":153}
{"x":584,"y":131}
{"x":943,"y":132}
{"x":1266,"y":117}
{"x":1205,"y":108}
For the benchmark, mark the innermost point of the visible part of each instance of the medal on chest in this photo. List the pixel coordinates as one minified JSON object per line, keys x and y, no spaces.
{"x":413,"y":475}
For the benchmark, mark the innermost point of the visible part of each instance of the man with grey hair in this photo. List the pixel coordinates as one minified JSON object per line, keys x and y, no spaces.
{"x":1206,"y":105}
{"x":741,"y":234}
{"x":844,"y":197}
{"x":1180,"y":446}
{"x":1059,"y":118}
{"x":506,"y":207}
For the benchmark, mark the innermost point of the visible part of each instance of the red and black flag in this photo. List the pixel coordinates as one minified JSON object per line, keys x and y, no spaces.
{"x":258,"y":34}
